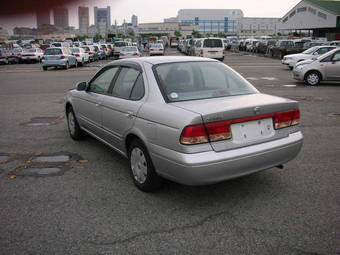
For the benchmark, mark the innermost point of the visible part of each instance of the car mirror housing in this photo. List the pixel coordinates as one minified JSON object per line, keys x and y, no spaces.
{"x":81,"y":86}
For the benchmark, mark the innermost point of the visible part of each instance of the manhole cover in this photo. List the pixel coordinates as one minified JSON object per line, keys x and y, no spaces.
{"x":3,"y":158}
{"x":52,"y":159}
{"x":40,"y":171}
{"x":43,"y":121}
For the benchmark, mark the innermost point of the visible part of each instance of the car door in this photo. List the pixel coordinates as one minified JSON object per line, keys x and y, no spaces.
{"x":333,"y":67}
{"x":120,"y":108}
{"x":89,"y":103}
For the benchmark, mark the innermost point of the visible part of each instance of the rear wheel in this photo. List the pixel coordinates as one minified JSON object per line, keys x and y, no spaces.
{"x":45,"y":68}
{"x":141,"y":168}
{"x":66,"y":66}
{"x":313,"y":78}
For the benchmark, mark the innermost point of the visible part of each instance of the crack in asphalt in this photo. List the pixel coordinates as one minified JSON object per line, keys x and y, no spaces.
{"x":168,"y":231}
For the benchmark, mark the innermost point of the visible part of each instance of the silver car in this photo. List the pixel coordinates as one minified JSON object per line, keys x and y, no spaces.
{"x":324,"y":68}
{"x":58,"y":57}
{"x":191,"y":120}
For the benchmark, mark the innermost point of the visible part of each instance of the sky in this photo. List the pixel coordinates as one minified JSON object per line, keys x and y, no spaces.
{"x":157,"y":10}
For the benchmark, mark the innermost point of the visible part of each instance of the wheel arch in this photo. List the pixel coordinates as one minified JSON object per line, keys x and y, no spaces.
{"x":311,"y":71}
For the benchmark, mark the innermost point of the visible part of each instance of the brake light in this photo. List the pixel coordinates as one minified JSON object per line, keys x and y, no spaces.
{"x":213,"y":132}
{"x":62,"y":57}
{"x":194,"y":134}
{"x":286,"y":119}
{"x":77,"y":55}
{"x":135,"y":54}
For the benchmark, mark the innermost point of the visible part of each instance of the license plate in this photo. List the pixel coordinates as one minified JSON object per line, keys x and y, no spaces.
{"x":252,"y":131}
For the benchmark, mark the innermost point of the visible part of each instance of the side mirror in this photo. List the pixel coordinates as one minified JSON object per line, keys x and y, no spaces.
{"x":81,"y":86}
{"x":316,"y":53}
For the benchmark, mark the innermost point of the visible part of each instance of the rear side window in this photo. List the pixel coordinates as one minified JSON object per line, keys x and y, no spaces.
{"x":213,"y":43}
{"x":53,"y":51}
{"x":125,"y":83}
{"x":199,"y":80}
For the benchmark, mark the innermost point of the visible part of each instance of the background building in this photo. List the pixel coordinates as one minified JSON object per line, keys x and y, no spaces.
{"x":212,"y":21}
{"x":102,"y":19}
{"x":320,"y":17}
{"x":84,"y":20}
{"x":60,"y":17}
{"x":134,"y":21}
{"x":258,"y":26}
{"x":43,"y":18}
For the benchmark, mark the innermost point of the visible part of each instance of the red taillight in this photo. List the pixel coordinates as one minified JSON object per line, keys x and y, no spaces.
{"x":135,"y":54}
{"x":286,"y":119}
{"x":77,"y":55}
{"x":213,"y":132}
{"x":62,"y":57}
{"x":194,"y":134}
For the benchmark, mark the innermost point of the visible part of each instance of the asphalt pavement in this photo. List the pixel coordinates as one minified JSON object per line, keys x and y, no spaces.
{"x":58,"y":196}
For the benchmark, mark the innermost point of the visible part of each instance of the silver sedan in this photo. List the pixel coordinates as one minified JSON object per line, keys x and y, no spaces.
{"x":191,"y":120}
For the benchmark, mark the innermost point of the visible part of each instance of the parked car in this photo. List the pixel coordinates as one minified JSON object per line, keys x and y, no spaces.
{"x":33,"y":54}
{"x":191,"y":120}
{"x":251,"y":45}
{"x":335,"y":43}
{"x":282,"y":48}
{"x":81,"y":55}
{"x":312,"y":53}
{"x":118,"y":46}
{"x":100,"y":52}
{"x":93,"y":54}
{"x":324,"y":68}
{"x":129,"y":52}
{"x":156,"y":49}
{"x":4,"y":53}
{"x":263,"y":46}
{"x":15,"y":56}
{"x":211,"y":48}
{"x":58,"y":57}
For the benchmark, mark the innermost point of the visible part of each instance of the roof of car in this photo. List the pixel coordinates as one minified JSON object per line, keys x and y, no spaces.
{"x":164,"y":59}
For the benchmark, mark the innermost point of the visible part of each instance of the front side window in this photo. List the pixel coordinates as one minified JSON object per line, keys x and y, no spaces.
{"x":125,"y":82}
{"x":102,"y":83}
{"x":199,"y":80}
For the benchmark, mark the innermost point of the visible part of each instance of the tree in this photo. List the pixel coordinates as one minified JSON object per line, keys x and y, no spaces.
{"x":97,"y":37}
{"x":196,"y":34}
{"x":178,"y":33}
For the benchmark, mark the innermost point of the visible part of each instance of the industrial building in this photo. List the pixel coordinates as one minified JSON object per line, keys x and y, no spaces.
{"x":212,"y":21}
{"x":319,"y":18}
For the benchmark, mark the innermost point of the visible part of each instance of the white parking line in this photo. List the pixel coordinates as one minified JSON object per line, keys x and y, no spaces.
{"x":269,"y":78}
{"x":289,"y":85}
{"x":252,"y":78}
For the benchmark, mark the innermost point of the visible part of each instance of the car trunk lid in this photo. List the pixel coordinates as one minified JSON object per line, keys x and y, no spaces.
{"x":251,"y":117}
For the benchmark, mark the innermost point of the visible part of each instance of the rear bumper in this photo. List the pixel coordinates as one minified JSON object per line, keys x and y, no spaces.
{"x":48,"y":63}
{"x":212,"y":167}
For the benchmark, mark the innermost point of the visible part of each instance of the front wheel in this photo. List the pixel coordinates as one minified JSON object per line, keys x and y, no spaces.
{"x":73,"y":126}
{"x":141,"y":168}
{"x":313,"y":78}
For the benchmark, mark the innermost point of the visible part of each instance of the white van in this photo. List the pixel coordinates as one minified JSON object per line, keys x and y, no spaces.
{"x":210,"y":48}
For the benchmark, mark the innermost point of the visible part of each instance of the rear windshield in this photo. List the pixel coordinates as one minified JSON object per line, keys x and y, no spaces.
{"x":121,"y":44}
{"x":213,"y":43}
{"x":75,"y":50}
{"x":53,"y":51}
{"x":129,"y":49}
{"x":199,"y":80}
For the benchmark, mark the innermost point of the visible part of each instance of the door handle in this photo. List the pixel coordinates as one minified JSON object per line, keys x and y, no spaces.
{"x":129,"y":114}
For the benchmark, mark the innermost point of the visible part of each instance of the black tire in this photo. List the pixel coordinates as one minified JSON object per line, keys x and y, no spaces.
{"x":313,"y":78}
{"x":66,"y":66}
{"x":152,"y":181}
{"x":82,"y":62}
{"x":290,"y":67}
{"x":75,"y":131}
{"x":45,"y":68}
{"x":282,"y":55}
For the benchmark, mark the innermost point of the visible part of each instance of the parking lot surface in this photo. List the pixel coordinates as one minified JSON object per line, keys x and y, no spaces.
{"x":58,"y":196}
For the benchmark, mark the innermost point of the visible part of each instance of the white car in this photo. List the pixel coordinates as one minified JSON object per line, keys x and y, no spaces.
{"x":311,"y":53}
{"x":34,"y":54}
{"x":129,"y":52}
{"x":324,"y":68}
{"x":210,"y":48}
{"x":80,"y":55}
{"x":156,"y":49}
